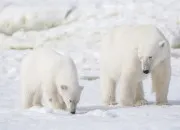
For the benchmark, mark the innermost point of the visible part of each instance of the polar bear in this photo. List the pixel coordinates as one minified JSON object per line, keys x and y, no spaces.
{"x":48,"y":76}
{"x":128,"y":55}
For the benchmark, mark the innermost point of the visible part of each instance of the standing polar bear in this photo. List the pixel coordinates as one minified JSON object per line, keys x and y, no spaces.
{"x":48,"y":74}
{"x":130,"y":53}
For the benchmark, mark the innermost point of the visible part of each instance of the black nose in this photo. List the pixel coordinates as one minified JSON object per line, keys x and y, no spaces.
{"x":146,"y":71}
{"x":73,"y":112}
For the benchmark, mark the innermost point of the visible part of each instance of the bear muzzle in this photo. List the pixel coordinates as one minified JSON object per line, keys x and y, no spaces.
{"x":72,"y":108}
{"x":146,"y":71}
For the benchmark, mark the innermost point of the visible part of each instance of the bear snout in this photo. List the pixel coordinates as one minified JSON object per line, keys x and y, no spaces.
{"x":145,"y":71}
{"x":72,"y":108}
{"x":73,"y":112}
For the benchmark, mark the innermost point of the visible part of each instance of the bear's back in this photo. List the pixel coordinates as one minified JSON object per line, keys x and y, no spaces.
{"x":133,"y":35}
{"x":126,"y":38}
{"x":46,"y":63}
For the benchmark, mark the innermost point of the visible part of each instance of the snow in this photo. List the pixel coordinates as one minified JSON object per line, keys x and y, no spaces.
{"x":25,"y":24}
{"x":75,"y":28}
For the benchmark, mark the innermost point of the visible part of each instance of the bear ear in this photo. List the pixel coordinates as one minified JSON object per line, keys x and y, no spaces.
{"x":162,"y":44}
{"x":64,"y":87}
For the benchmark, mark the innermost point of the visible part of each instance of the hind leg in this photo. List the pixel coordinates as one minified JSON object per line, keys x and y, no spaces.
{"x":139,"y":95}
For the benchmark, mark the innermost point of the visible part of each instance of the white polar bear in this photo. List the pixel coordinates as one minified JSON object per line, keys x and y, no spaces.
{"x":128,"y":54}
{"x":48,"y":74}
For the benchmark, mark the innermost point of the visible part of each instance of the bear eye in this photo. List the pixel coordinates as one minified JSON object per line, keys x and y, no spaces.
{"x":70,"y":101}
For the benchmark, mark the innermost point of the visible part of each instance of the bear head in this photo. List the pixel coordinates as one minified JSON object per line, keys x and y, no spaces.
{"x":71,"y":96}
{"x":151,"y":54}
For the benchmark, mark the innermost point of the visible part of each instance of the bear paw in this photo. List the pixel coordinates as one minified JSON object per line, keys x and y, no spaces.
{"x":124,"y":103}
{"x":111,"y":100}
{"x":162,"y":103}
{"x":113,"y":103}
{"x":110,"y":103}
{"x":141,"y":102}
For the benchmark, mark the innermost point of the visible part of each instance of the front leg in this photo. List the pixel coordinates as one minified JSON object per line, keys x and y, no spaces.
{"x":108,"y":90}
{"x":61,"y":101}
{"x":50,"y":96}
{"x":160,"y":81}
{"x":127,"y":90}
{"x":139,"y":95}
{"x":52,"y":101}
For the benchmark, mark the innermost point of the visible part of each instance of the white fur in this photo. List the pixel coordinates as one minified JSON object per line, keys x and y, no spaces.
{"x":126,"y":52}
{"x":48,"y":74}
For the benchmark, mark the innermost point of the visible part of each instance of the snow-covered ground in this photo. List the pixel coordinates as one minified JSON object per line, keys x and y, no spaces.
{"x":27,"y":23}
{"x":76,"y":27}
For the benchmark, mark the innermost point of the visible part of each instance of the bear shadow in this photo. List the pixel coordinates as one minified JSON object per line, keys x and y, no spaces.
{"x":170,"y":102}
{"x":174,"y":102}
{"x":86,"y":109}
